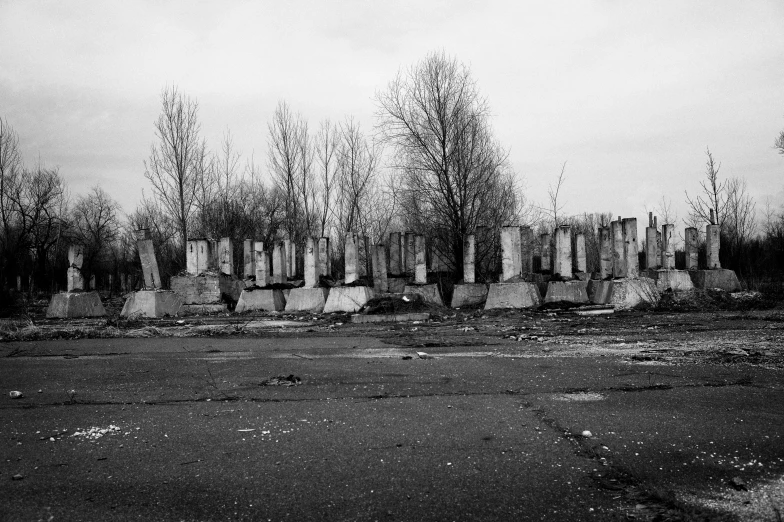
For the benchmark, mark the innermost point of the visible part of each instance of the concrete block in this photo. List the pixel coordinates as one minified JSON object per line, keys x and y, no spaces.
{"x":248,"y":259}
{"x":631,"y":249}
{"x":429,"y":293}
{"x":600,"y":291}
{"x":394,"y":253}
{"x":511,"y":266}
{"x":396,"y":285}
{"x":675,"y":280}
{"x":380,"y":281}
{"x":580,"y":256}
{"x":348,"y":298}
{"x":201,"y":289}
{"x":311,"y":268}
{"x":618,"y":256}
{"x":544,"y":249}
{"x":324,"y":264}
{"x":152,"y":278}
{"x":198,"y":256}
{"x":307,"y":300}
{"x":410,"y":252}
{"x":261,"y":299}
{"x":605,"y":253}
{"x":712,"y":245}
{"x":469,"y":294}
{"x":651,"y":262}
{"x":152,"y":303}
{"x":71,"y":305}
{"x":226,"y":256}
{"x":562,"y":263}
{"x":420,"y":260}
{"x":469,"y":256}
{"x":720,"y":278}
{"x":389,"y":318}
{"x":569,"y":291}
{"x":352,"y":258}
{"x":279,"y":270}
{"x":526,"y":250}
{"x":628,"y":293}
{"x":668,"y":247}
{"x":692,"y":248}
{"x":75,"y":281}
{"x":513,"y":295}
{"x":262,"y":264}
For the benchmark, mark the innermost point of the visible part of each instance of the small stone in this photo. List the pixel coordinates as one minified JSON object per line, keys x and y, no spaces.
{"x":16,"y":394}
{"x":17,"y":477}
{"x":587,"y":434}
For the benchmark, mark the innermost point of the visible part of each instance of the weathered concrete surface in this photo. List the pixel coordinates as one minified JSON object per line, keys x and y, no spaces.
{"x":201,"y":289}
{"x":311,"y":267}
{"x":352,"y":258}
{"x":265,"y":299}
{"x":618,"y":255}
{"x":651,"y":261}
{"x":563,"y":251}
{"x":380,"y":279}
{"x":605,"y":253}
{"x":692,"y":248}
{"x":510,"y":253}
{"x":348,"y":298}
{"x":409,"y":252}
{"x":712,"y":245}
{"x":526,"y":250}
{"x":307,"y":299}
{"x":75,"y":280}
{"x":469,"y":294}
{"x":152,"y":278}
{"x":580,"y":256}
{"x":262,"y":263}
{"x":513,"y":295}
{"x":389,"y":318}
{"x":231,"y":287}
{"x":675,"y":280}
{"x":600,"y":291}
{"x":628,"y":293}
{"x":568,"y":291}
{"x":279,"y":263}
{"x":226,"y":256}
{"x":394,"y":253}
{"x":668,"y":247}
{"x":396,"y":285}
{"x":201,"y":309}
{"x":630,"y":247}
{"x":469,"y":255}
{"x":324,"y":263}
{"x":152,"y":303}
{"x":198,"y":256}
{"x":429,"y":293}
{"x":248,"y":259}
{"x":70,"y":305}
{"x":420,"y":258}
{"x":720,"y":278}
{"x":545,"y":253}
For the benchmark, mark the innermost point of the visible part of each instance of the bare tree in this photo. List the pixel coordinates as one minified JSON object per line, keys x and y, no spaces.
{"x":553,"y":192}
{"x":740,"y":222}
{"x":96,"y":226}
{"x":779,"y":143}
{"x":714,"y":196}
{"x":175,"y":161}
{"x":326,"y":145}
{"x":453,"y":171}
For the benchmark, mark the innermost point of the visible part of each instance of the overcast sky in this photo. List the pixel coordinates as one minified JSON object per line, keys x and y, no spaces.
{"x":628,"y":94}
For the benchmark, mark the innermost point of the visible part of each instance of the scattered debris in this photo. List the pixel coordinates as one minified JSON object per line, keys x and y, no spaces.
{"x":280,"y":380}
{"x":247,"y":429}
{"x":739,"y":484}
{"x":587,"y":434}
{"x":95,"y":432}
{"x":17,"y":477}
{"x":16,"y":394}
{"x":423,"y":355}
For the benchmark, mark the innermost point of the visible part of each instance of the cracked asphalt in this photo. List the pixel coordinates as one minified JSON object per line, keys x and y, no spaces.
{"x":492,"y":427}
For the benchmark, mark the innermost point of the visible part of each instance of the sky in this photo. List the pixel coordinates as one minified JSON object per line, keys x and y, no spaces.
{"x":628,"y":94}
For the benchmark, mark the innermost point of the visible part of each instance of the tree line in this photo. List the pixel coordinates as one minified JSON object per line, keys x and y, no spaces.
{"x":431,"y":164}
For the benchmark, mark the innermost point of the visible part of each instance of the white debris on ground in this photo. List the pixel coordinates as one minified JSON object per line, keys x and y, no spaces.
{"x":579,"y":397}
{"x":95,"y":432}
{"x":760,"y":503}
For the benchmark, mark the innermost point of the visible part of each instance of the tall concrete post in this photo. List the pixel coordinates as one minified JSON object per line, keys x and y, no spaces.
{"x":213,"y":256}
{"x":420,"y":260}
{"x":248,"y":259}
{"x":631,"y":248}
{"x":394,"y":253}
{"x":712,"y":244}
{"x":262,"y":263}
{"x":279,"y":262}
{"x":364,"y":257}
{"x":310,"y":269}
{"x":324,"y":268}
{"x":410,"y":252}
{"x":692,"y":248}
{"x":152,"y":278}
{"x":469,"y":252}
{"x":192,"y":257}
{"x":651,"y":261}
{"x":226,"y":256}
{"x":510,"y":253}
{"x":352,"y":260}
{"x":380,"y":268}
{"x":668,"y":247}
{"x":605,"y":252}
{"x":526,"y":250}
{"x":619,"y":259}
{"x":563,"y":251}
{"x":544,"y":247}
{"x":75,"y":260}
{"x":580,"y":255}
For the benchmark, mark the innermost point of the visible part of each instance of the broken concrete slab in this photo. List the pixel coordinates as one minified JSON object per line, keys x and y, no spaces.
{"x":513,"y":295}
{"x":270,"y":300}
{"x":569,"y":291}
{"x":469,"y":294}
{"x":628,"y":293}
{"x":720,"y":278}
{"x":389,"y":318}
{"x":152,"y":303}
{"x":675,"y":280}
{"x":429,"y":293}
{"x":348,"y":298}
{"x":307,"y":299}
{"x":71,"y":305}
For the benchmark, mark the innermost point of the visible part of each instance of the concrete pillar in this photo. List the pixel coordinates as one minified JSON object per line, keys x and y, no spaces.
{"x":324,"y":268}
{"x":526,"y":250}
{"x":651,"y":260}
{"x":380,"y":268}
{"x":351,"y":258}
{"x":619,"y":259}
{"x":76,"y":256}
{"x":291,"y":258}
{"x":712,"y":244}
{"x":198,"y":254}
{"x":75,"y":259}
{"x":226,"y":256}
{"x":469,"y":253}
{"x":579,"y":253}
{"x":420,"y":260}
{"x":605,"y":252}
{"x":279,"y":262}
{"x":544,"y":246}
{"x":191,"y":257}
{"x":262,"y":263}
{"x":668,"y":247}
{"x":248,"y":259}
{"x":692,"y":248}
{"x":510,"y":253}
{"x":631,"y":248}
{"x":410,"y":252}
{"x":213,"y":255}
{"x":311,"y":269}
{"x":563,"y":251}
{"x":364,"y":257}
{"x":92,"y":283}
{"x":394,"y":253}
{"x":152,"y":278}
